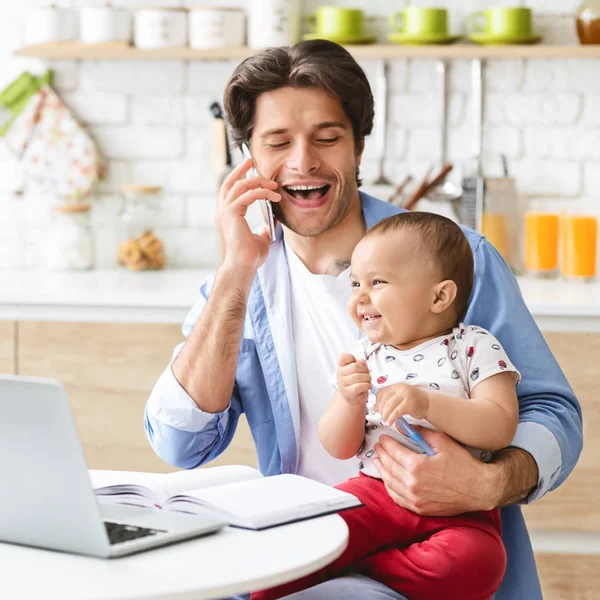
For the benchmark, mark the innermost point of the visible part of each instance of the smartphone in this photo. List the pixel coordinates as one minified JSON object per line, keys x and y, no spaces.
{"x":265,"y":205}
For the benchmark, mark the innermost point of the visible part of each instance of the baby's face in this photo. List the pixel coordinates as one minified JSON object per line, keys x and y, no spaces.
{"x":392,"y":282}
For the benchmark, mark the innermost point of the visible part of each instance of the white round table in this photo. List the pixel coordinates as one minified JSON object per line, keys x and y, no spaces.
{"x":233,"y":561}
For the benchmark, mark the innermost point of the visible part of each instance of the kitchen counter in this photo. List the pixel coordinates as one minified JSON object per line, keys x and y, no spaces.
{"x":99,"y":295}
{"x":166,"y":296}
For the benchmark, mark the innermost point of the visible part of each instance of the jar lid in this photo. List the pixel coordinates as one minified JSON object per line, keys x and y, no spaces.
{"x":72,"y":207}
{"x":143,"y":189}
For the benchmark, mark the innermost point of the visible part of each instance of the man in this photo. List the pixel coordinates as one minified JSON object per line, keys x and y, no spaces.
{"x":265,"y":335}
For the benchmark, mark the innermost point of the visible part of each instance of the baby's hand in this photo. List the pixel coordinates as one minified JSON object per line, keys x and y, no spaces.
{"x":354,"y":379}
{"x":393,"y":401}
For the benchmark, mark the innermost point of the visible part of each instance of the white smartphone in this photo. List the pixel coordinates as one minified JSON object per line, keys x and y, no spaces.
{"x":265,"y":205}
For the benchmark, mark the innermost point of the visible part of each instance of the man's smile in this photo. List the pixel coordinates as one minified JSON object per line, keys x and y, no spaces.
{"x":309,"y":195}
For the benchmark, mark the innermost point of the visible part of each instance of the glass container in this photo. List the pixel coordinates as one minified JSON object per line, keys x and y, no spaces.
{"x":140,"y":248}
{"x":70,"y":245}
{"x":541,"y":243}
{"x":588,"y":22}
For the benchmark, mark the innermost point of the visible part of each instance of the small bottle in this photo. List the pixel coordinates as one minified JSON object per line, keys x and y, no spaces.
{"x":588,"y":22}
{"x":70,"y":245}
{"x":140,"y":249}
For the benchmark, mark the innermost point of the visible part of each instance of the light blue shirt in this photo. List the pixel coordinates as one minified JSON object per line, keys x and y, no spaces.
{"x":266,"y":390}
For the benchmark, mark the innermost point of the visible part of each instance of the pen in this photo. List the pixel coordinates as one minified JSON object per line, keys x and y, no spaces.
{"x":410,"y":432}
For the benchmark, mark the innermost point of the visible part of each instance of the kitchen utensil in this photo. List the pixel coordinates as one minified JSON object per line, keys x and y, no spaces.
{"x":139,"y":248}
{"x":588,"y":22}
{"x":579,"y":240}
{"x":99,"y":24}
{"x":440,"y":190}
{"x":221,"y":153}
{"x":493,"y":39}
{"x":397,"y":193}
{"x":471,"y":206}
{"x":422,"y":39}
{"x":356,"y":40}
{"x":46,"y":24}
{"x":337,"y":22}
{"x":418,"y":192}
{"x":541,"y":244}
{"x":381,"y":120}
{"x":69,"y":244}
{"x":420,"y":20}
{"x":211,"y":27}
{"x":160,"y":27}
{"x":273,"y":23}
{"x":503,"y":21}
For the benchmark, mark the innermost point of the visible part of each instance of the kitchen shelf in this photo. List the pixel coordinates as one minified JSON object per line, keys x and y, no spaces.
{"x":120,"y":51}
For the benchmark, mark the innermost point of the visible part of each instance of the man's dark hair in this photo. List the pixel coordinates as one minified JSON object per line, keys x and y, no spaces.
{"x":319,"y":64}
{"x":446,"y":244}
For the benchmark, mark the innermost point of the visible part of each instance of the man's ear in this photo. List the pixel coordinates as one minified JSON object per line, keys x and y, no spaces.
{"x":444,"y":294}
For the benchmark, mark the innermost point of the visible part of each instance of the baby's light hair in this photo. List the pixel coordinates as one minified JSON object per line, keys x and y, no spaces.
{"x":447,"y":245}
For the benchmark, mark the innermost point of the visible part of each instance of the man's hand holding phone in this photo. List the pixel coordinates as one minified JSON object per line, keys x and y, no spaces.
{"x":243,"y":249}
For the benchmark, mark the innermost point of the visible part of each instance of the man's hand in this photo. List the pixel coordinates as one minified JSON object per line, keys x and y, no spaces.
{"x":243,"y":249}
{"x":449,"y":483}
{"x":354,"y":379}
{"x":399,"y":399}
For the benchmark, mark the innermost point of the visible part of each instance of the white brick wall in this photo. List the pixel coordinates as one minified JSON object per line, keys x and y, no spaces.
{"x":151,"y":119}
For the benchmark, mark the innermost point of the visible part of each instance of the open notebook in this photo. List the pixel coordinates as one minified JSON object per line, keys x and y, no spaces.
{"x":239,"y":495}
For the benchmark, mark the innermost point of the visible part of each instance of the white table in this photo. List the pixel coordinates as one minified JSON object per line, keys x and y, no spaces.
{"x":233,"y":561}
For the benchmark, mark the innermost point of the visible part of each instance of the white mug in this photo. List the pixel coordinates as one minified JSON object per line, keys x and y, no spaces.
{"x":107,"y":23}
{"x":160,"y":27}
{"x":46,"y":24}
{"x":273,"y":23}
{"x":216,"y":27}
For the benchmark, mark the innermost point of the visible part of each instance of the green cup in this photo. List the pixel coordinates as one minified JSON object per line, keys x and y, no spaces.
{"x":503,"y":21}
{"x":417,"y":20}
{"x":336,"y":22}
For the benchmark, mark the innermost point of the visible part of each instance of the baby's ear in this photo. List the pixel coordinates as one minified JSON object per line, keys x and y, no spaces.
{"x":443,"y":296}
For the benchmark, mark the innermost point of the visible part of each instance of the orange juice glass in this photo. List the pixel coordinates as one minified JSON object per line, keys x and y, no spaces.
{"x":541,"y":243}
{"x":579,"y":235}
{"x":493,"y":227}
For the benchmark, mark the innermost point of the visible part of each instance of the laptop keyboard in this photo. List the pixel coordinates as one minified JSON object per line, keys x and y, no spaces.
{"x":119,"y":532}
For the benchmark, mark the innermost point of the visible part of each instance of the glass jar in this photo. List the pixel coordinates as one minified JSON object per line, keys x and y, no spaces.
{"x":588,"y":22}
{"x":140,"y":249}
{"x":70,"y":245}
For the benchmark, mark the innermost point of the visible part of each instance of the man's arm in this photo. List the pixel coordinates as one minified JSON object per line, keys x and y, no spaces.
{"x":192,"y":411}
{"x":205,"y":367}
{"x":516,"y":478}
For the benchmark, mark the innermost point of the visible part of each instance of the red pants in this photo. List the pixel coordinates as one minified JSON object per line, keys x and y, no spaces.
{"x":423,"y":558}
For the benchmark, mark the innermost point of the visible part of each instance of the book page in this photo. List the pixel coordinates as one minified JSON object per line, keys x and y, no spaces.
{"x":181,"y":482}
{"x":128,"y":487}
{"x":272,"y":500}
{"x":147,"y":489}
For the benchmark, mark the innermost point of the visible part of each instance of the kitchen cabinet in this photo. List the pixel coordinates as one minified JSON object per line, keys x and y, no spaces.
{"x":7,"y":346}
{"x":569,"y":576}
{"x":109,"y":370}
{"x":574,"y":506}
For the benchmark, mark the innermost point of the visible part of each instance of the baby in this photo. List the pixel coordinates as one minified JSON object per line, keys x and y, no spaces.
{"x":411,"y":278}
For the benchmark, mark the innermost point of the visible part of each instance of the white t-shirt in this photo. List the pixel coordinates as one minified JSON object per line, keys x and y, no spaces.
{"x":452,"y":364}
{"x":323,"y":329}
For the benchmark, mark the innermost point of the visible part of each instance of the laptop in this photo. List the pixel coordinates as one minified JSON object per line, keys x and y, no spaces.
{"x":47,"y":498}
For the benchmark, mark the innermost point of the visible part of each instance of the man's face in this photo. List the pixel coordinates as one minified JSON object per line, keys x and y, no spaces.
{"x":303,"y":140}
